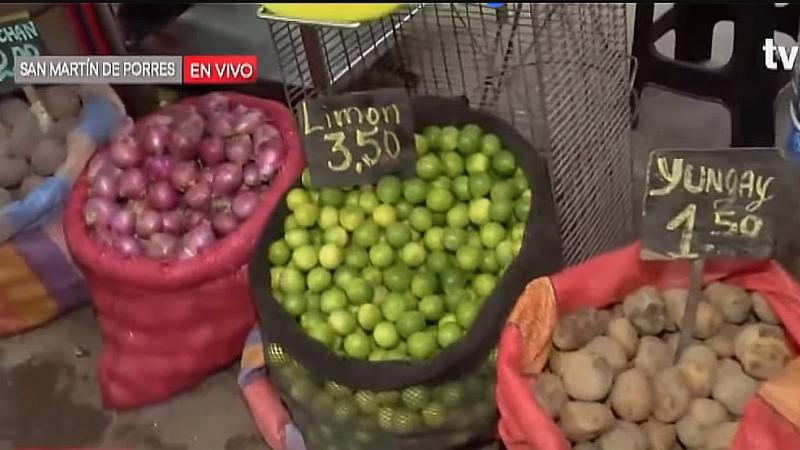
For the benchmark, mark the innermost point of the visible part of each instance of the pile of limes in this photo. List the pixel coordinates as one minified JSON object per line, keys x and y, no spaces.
{"x":399,"y":270}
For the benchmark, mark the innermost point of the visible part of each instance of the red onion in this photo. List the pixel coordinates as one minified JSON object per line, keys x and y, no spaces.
{"x":101,"y":163}
{"x":136,"y":206}
{"x":132,"y":184}
{"x":207,"y":175}
{"x":269,"y":159}
{"x":179,"y":111}
{"x":103,"y":235}
{"x":194,"y":218}
{"x":157,"y":119}
{"x":159,"y":168}
{"x":212,"y":103}
{"x":154,"y":139}
{"x":161,"y":246}
{"x":122,"y":130}
{"x":161,"y":196}
{"x":198,"y":196}
{"x":198,"y":239}
{"x":184,"y":175}
{"x":251,"y":175}
{"x":128,"y":245}
{"x":247,"y":122}
{"x":123,"y":222}
{"x":172,"y":222}
{"x":224,"y":223}
{"x":239,"y":148}
{"x":228,"y":178}
{"x":148,"y":222}
{"x":105,"y":186}
{"x":266,"y":132}
{"x":212,"y":150}
{"x":244,"y":204}
{"x":220,"y":124}
{"x":221,"y":204}
{"x":98,"y":211}
{"x":238,"y":109}
{"x":181,"y":146}
{"x":125,"y":153}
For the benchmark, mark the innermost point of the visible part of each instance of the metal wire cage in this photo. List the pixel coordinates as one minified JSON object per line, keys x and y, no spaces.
{"x":559,"y":73}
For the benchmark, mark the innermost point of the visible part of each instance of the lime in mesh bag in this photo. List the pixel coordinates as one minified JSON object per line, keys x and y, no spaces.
{"x":380,"y":306}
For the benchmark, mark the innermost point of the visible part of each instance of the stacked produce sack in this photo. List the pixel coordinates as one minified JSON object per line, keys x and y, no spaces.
{"x":37,"y":168}
{"x":380,"y":305}
{"x":607,"y":375}
{"x":163,"y":223}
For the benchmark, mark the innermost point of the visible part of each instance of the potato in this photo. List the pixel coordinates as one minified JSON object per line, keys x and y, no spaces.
{"x":610,"y":350}
{"x":722,"y":437}
{"x":554,"y":361}
{"x":586,"y":446}
{"x":622,"y":331}
{"x":48,"y":156}
{"x":5,"y":130}
{"x":548,"y":389}
{"x":707,"y":322}
{"x":674,"y":303}
{"x":646,"y":311}
{"x":762,"y":350}
{"x":584,"y":421}
{"x":653,"y":355}
{"x":762,"y":309}
{"x":29,"y":184}
{"x":671,"y":395}
{"x":703,"y":417}
{"x":698,"y":365}
{"x":733,"y":388}
{"x":586,"y":377}
{"x":660,"y":436}
{"x":12,"y":171}
{"x":61,"y":129}
{"x":617,"y":311}
{"x":14,"y":111}
{"x":23,"y":138}
{"x":728,"y":365}
{"x":732,"y":301}
{"x":575,"y":330}
{"x":61,"y":102}
{"x":632,"y":396}
{"x":722,"y":342}
{"x":5,"y":197}
{"x":624,"y":436}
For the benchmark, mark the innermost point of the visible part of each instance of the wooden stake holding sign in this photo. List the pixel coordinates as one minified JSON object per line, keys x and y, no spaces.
{"x":702,"y":204}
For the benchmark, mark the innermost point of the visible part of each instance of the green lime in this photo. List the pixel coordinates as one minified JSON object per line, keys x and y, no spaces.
{"x":386,"y":418}
{"x":518,"y":231}
{"x":428,"y":167}
{"x":368,"y":201}
{"x":504,"y":163}
{"x":434,"y":415}
{"x":312,"y":318}
{"x":448,"y":139}
{"x":439,"y":219}
{"x":466,"y":314}
{"x":432,"y":134}
{"x":381,"y":255}
{"x":469,"y":139}
{"x":490,"y":144}
{"x":397,"y":235}
{"x":334,"y":299}
{"x":403,"y":209}
{"x":521,"y":208}
{"x":501,"y":210}
{"x":438,"y":261}
{"x":480,"y":185}
{"x":415,"y":398}
{"x":420,"y":219}
{"x":350,"y":217}
{"x":415,"y":190}
{"x":406,"y":421}
{"x":422,"y":345}
{"x":479,"y":211}
{"x":469,"y":257}
{"x":483,"y":284}
{"x":460,"y":187}
{"x":289,"y":223}
{"x":520,"y":181}
{"x":305,"y":178}
{"x":297,"y":238}
{"x":292,"y":281}
{"x":477,"y":163}
{"x":503,"y":191}
{"x":356,"y":257}
{"x":453,"y":164}
{"x":322,"y":333}
{"x":342,"y":322}
{"x":384,"y":215}
{"x":306,"y":215}
{"x":343,"y":276}
{"x":448,"y":334}
{"x":317,"y":236}
{"x":328,"y":217}
{"x":312,"y":302}
{"x":368,"y":316}
{"x":439,"y":200}
{"x":424,"y":284}
{"x":305,"y":258}
{"x":505,"y":253}
{"x":351,"y":198}
{"x":330,"y":256}
{"x":432,"y":307}
{"x":359,"y":291}
{"x":458,"y":216}
{"x":413,"y":254}
{"x":397,"y":278}
{"x":443,"y":182}
{"x":336,"y":235}
{"x":275,"y":277}
{"x":411,"y":301}
{"x":357,"y":345}
{"x":454,"y":238}
{"x":323,"y":404}
{"x":450,"y":394}
{"x":492,"y":234}
{"x":346,"y":409}
{"x":374,"y":277}
{"x":385,"y":335}
{"x":434,"y":239}
{"x":302,"y":390}
{"x":409,"y":323}
{"x":297,"y":197}
{"x":330,"y":196}
{"x":377,"y":355}
{"x":393,"y":307}
{"x":367,"y":402}
{"x":389,"y":189}
{"x":279,"y":253}
{"x":452,"y":279}
{"x":489,"y":263}
{"x":318,"y":279}
{"x":294,"y":304}
{"x":420,"y":144}
{"x":456,"y":297}
{"x":367,"y":234}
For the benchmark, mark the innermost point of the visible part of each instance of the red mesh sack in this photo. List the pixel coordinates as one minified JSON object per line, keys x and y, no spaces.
{"x":600,"y":282}
{"x":166,"y":326}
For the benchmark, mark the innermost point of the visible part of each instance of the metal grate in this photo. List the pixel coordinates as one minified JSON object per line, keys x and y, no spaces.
{"x":557,"y":72}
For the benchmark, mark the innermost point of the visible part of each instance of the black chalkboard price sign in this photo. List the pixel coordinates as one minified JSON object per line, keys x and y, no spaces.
{"x":713,"y":203}
{"x":356,"y":138}
{"x":18,"y":37}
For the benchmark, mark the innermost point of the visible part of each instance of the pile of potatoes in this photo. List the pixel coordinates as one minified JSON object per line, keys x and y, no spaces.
{"x":27,"y":154}
{"x":612,"y":381}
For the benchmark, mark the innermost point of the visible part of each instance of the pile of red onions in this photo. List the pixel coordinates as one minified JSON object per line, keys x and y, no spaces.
{"x":174,"y":183}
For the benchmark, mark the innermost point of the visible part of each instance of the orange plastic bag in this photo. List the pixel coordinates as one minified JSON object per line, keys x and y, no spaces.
{"x":601,"y":282}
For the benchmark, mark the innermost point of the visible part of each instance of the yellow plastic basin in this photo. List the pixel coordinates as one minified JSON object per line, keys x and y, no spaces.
{"x":332,"y":12}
